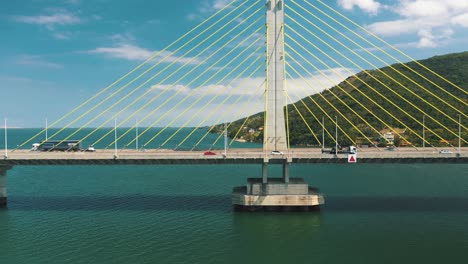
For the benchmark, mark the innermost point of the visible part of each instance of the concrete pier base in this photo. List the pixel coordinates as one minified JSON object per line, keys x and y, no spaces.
{"x":276,"y":195}
{"x":3,"y":186}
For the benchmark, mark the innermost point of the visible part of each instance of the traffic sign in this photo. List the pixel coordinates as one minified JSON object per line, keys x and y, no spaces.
{"x":352,"y":158}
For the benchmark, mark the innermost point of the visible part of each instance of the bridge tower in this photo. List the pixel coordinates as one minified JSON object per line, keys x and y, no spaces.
{"x":275,"y":126}
{"x":275,"y":193}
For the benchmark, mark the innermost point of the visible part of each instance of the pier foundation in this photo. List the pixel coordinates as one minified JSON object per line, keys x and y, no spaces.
{"x":276,"y":194}
{"x":3,"y":186}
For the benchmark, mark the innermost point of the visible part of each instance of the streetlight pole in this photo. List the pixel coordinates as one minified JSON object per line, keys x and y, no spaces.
{"x":459,"y":134}
{"x":6,"y":139}
{"x":323,"y":133}
{"x":424,"y":131}
{"x":225,"y":140}
{"x":136,"y":134}
{"x":336,"y":136}
{"x":115,"y":138}
{"x":46,"y":129}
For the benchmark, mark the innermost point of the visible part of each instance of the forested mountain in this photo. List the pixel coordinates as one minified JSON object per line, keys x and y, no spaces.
{"x":390,"y":100}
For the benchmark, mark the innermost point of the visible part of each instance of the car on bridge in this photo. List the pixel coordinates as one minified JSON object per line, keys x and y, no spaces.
{"x":57,"y":145}
{"x":90,"y":149}
{"x":276,"y":152}
{"x":445,"y":151}
{"x":348,"y":150}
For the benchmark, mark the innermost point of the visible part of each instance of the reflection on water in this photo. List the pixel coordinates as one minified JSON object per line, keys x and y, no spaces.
{"x":270,"y":237}
{"x":125,"y":203}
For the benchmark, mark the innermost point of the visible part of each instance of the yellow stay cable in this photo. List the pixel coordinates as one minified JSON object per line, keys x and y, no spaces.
{"x":237,"y":133}
{"x":209,"y":102}
{"x":314,"y":101}
{"x":327,"y":114}
{"x":390,"y":66}
{"x":337,"y":97}
{"x":215,"y":111}
{"x":354,"y":86}
{"x":318,"y":105}
{"x":244,"y":104}
{"x":128,"y":74}
{"x":168,"y":88}
{"x":193,"y":91}
{"x":392,"y":47}
{"x":305,"y":122}
{"x":357,"y":101}
{"x":103,"y":112}
{"x":321,"y":72}
{"x":198,"y":77}
{"x":406,"y":100}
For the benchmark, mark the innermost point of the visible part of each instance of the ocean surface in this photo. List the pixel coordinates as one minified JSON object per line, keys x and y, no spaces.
{"x":374,"y":213}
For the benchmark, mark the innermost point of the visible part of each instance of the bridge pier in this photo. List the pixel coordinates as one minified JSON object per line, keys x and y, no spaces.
{"x":3,"y":186}
{"x":276,"y":194}
{"x":286,"y":172}
{"x":264,"y":172}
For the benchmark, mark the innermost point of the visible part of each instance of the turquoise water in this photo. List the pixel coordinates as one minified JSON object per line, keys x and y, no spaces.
{"x":374,"y":213}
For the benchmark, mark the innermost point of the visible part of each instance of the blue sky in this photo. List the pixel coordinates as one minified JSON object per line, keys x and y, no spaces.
{"x":56,"y":54}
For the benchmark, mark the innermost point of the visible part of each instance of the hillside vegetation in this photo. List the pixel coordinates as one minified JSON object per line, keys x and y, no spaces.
{"x":378,"y":100}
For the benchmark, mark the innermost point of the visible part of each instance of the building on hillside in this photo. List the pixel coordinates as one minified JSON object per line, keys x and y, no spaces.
{"x":389,"y":135}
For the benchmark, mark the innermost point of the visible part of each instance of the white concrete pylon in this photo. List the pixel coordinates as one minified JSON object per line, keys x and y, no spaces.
{"x":275,"y":126}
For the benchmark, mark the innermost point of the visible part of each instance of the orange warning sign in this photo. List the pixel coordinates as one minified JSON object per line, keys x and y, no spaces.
{"x":352,"y":158}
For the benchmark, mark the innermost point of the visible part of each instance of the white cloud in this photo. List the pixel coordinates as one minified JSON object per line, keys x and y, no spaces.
{"x":231,"y":101}
{"x":62,"y":18}
{"x":208,"y":7}
{"x":370,"y":6}
{"x":297,"y":87}
{"x":35,"y":60}
{"x":461,"y":20}
{"x":133,"y":52}
{"x":62,"y":35}
{"x":124,"y":51}
{"x":55,"y":20}
{"x":74,"y":2}
{"x":432,"y":21}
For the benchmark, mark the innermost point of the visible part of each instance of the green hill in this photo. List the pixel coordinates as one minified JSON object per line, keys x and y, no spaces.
{"x":378,"y":101}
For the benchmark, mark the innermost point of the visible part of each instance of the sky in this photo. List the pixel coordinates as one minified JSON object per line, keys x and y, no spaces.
{"x":54,"y":55}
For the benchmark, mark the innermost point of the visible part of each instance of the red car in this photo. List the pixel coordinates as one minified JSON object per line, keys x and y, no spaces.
{"x":209,"y":153}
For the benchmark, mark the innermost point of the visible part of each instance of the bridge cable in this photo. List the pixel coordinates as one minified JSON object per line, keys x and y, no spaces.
{"x":212,"y":99}
{"x":304,"y":120}
{"x":198,"y":77}
{"x":373,"y":78}
{"x":244,"y":104}
{"x":201,"y":97}
{"x":422,"y":99}
{"x":323,"y":97}
{"x":356,"y":87}
{"x":312,"y":113}
{"x":217,"y":108}
{"x":338,"y":98}
{"x":357,"y":101}
{"x":167,"y":88}
{"x":391,"y":46}
{"x":128,"y":73}
{"x":378,"y":58}
{"x":188,"y":62}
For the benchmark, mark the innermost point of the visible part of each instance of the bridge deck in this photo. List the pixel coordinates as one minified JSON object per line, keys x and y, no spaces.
{"x":234,"y":156}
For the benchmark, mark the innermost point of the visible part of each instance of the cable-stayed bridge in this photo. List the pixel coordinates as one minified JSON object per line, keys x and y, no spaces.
{"x":179,"y":106}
